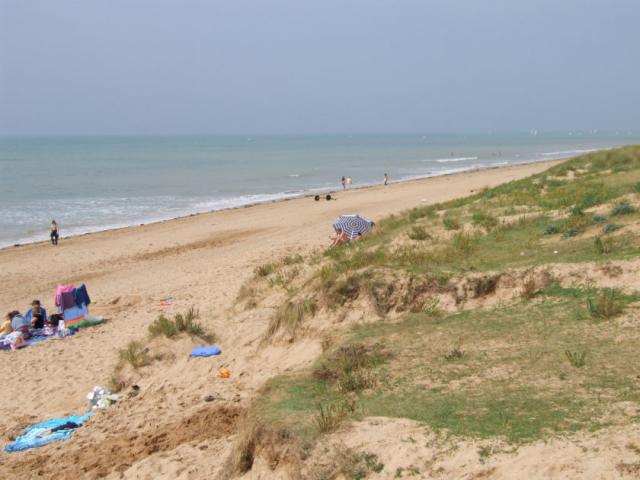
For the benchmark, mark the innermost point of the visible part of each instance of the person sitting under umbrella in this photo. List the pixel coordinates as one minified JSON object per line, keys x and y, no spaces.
{"x":339,"y":239}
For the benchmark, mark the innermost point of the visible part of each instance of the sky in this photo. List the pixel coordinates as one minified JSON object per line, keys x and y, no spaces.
{"x":317,"y":66}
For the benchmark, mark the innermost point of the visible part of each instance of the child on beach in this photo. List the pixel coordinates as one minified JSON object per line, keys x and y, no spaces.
{"x":386,"y":179}
{"x":344,"y":183}
{"x":349,"y":182}
{"x":54,"y":233}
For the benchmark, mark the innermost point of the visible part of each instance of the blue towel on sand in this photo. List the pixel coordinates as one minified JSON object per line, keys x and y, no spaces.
{"x":205,"y":351}
{"x":40,"y":434}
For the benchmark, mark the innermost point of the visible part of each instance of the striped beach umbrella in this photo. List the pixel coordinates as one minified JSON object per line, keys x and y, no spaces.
{"x":353,"y":225}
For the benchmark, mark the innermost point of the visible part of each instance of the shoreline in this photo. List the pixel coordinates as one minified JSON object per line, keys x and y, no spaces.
{"x":308,"y":194}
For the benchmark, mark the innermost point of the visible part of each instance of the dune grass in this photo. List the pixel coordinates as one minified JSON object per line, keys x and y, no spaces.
{"x":552,"y":360}
{"x":480,"y":240}
{"x":513,"y":376}
{"x":134,"y":354}
{"x":180,"y":323}
{"x":289,"y":316}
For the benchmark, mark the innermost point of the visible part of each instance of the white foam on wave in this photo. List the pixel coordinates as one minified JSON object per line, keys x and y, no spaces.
{"x":452,"y":159}
{"x":116,"y":213}
{"x":569,"y":152}
{"x":293,"y":175}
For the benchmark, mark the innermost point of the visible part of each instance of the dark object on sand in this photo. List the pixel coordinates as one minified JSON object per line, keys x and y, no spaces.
{"x":328,"y":197}
{"x":317,"y":198}
{"x":66,"y":426}
{"x":55,"y":319}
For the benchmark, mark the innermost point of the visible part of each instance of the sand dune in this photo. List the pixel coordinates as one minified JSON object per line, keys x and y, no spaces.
{"x":202,"y":260}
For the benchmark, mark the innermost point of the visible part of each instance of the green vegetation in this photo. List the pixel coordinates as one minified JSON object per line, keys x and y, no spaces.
{"x":451,"y":223}
{"x":622,"y":209}
{"x":608,"y":304}
{"x":611,"y":227}
{"x":418,"y":233}
{"x":187,"y":323}
{"x":577,"y":359}
{"x":512,"y":244}
{"x":290,"y":315}
{"x":547,"y":360}
{"x":135,"y":354}
{"x":495,"y":387}
{"x":357,"y":465}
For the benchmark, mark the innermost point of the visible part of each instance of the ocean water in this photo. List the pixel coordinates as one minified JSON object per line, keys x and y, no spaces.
{"x":95,"y":183}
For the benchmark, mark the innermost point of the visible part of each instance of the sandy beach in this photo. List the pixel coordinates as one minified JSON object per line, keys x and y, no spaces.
{"x":202,"y":261}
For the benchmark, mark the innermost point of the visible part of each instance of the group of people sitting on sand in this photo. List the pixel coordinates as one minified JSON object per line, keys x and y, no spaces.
{"x":35,"y":318}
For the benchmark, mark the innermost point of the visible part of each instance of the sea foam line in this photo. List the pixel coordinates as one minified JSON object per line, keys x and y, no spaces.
{"x":453,"y":159}
{"x":569,"y":152}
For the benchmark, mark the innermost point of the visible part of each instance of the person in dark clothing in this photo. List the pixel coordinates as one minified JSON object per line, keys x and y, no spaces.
{"x":37,"y":320}
{"x":54,"y":233}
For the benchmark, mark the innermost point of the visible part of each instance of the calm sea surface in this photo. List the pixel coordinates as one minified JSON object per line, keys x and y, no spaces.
{"x":95,"y":183}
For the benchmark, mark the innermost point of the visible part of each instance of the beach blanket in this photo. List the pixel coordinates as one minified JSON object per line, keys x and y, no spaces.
{"x":37,"y":336}
{"x":207,"y":351}
{"x":46,"y":432}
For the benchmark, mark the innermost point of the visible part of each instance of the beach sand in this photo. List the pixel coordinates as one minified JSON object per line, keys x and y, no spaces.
{"x":202,"y":260}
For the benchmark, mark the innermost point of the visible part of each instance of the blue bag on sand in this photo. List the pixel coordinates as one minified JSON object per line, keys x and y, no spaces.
{"x":40,"y":434}
{"x":205,"y":351}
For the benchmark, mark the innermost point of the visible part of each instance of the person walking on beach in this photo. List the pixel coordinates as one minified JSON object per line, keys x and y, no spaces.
{"x":349,"y":182}
{"x":386,"y":179}
{"x":344,"y":182}
{"x":54,"y":233}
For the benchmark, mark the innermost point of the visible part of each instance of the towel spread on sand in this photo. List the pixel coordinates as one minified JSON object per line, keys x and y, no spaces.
{"x":205,"y":351}
{"x":46,"y":432}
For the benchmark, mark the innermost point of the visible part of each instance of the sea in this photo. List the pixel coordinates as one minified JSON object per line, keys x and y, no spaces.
{"x":92,"y":183}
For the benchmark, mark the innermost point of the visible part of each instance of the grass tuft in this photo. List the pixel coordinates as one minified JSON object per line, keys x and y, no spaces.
{"x":357,"y":465}
{"x":622,"y":209}
{"x":451,"y":223}
{"x":290,"y":315}
{"x":603,"y":247}
{"x":135,"y":354}
{"x":485,"y":220}
{"x":187,"y":323}
{"x":611,"y":227}
{"x":418,"y":233}
{"x":576,"y":359}
{"x":607,"y":305}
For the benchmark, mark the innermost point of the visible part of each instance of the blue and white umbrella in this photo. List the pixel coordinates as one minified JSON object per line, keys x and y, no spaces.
{"x":353,"y":225}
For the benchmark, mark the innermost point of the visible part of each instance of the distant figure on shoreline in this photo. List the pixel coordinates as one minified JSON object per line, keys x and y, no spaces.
{"x":386,"y":179}
{"x":54,"y":233}
{"x":344,"y":183}
{"x":349,"y":182}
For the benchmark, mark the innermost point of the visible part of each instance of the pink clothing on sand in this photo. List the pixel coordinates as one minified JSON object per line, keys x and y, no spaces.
{"x":60,"y":290}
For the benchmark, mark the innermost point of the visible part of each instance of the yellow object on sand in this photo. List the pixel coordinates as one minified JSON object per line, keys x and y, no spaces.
{"x":224,"y":373}
{"x":5,"y":328}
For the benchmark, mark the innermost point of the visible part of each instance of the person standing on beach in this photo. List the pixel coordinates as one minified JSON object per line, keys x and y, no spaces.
{"x":54,"y":233}
{"x":349,"y":182}
{"x":386,"y":179}
{"x":344,"y":182}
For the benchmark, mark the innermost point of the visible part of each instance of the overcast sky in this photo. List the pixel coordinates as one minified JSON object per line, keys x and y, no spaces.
{"x":317,"y":66}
